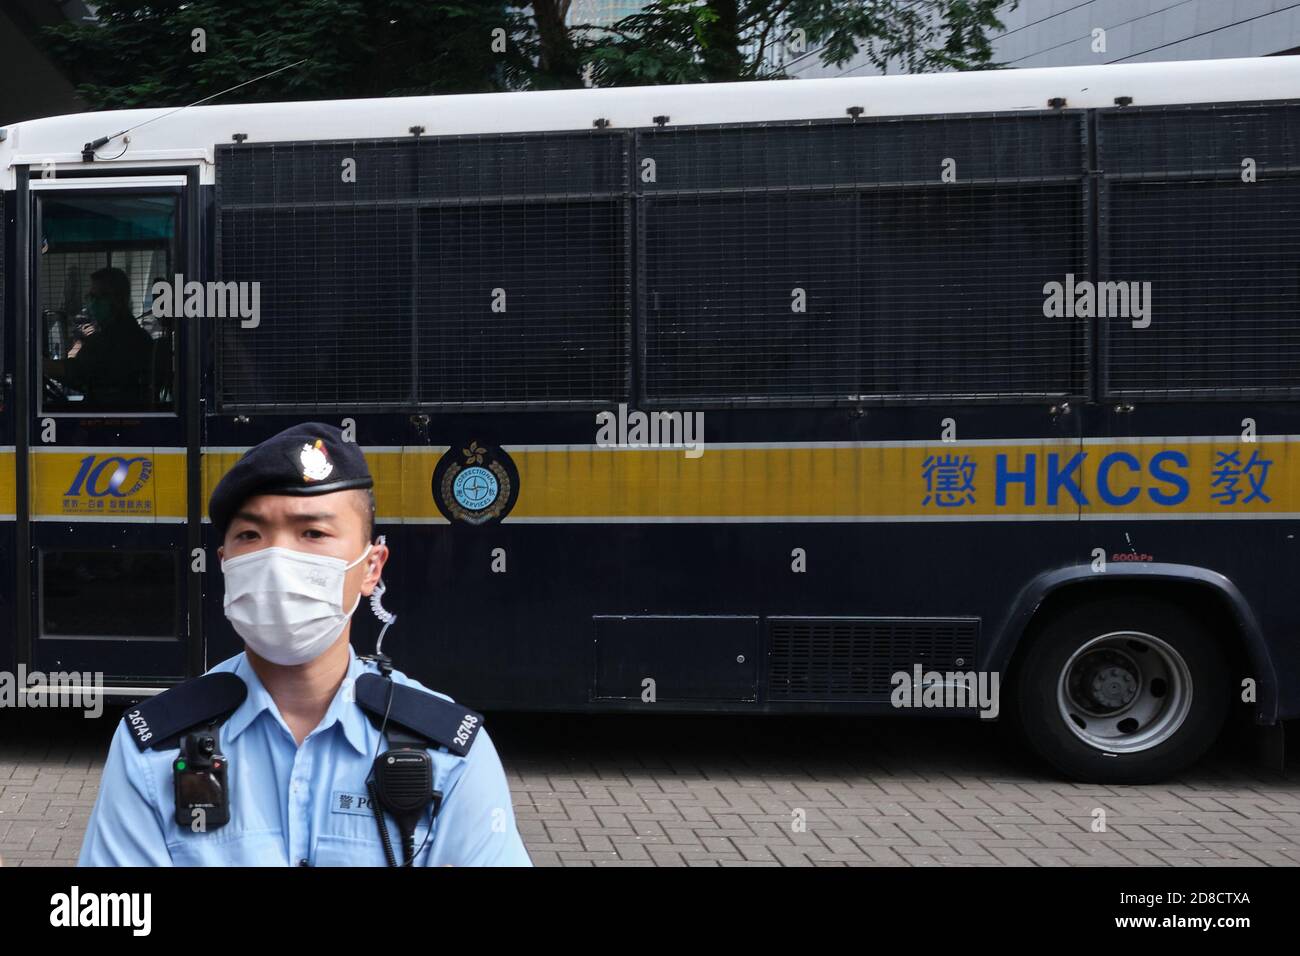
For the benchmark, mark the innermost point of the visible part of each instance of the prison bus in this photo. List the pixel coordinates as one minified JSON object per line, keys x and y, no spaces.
{"x":997,"y":375}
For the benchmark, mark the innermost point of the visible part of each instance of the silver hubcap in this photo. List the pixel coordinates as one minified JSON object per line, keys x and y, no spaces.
{"x":1125,"y":691}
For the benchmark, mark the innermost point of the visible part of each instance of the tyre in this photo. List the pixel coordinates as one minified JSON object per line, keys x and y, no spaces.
{"x":1122,"y":690}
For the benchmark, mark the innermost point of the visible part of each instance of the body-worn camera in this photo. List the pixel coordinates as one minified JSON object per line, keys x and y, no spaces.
{"x":199,"y":775}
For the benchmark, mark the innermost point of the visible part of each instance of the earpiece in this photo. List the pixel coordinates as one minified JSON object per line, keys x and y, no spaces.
{"x":377,"y":608}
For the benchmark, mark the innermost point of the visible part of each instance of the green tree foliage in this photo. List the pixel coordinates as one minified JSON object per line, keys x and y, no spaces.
{"x":694,"y":41}
{"x":142,"y":52}
{"x":152,"y":53}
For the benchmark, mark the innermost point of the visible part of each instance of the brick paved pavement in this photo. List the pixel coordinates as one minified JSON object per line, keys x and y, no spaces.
{"x":673,"y":791}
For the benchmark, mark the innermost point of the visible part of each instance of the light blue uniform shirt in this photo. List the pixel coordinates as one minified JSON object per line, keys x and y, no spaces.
{"x":291,"y":803}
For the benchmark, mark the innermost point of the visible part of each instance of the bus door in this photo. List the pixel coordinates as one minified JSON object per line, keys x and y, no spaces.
{"x":107,"y":518}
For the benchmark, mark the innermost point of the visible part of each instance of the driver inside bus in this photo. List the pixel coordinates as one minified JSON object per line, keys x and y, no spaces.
{"x":110,"y":361}
{"x":295,"y":517}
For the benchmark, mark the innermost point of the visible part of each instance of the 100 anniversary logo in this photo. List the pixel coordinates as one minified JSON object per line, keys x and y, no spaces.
{"x":109,"y":483}
{"x":475,"y":483}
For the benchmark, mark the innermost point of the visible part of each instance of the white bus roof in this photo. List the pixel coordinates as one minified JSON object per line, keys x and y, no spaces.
{"x":189,"y":136}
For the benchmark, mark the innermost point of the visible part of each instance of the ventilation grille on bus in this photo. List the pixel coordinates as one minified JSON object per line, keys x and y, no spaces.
{"x":818,"y":658}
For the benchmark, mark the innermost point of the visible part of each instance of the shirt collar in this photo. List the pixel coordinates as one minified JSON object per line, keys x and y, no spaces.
{"x":343,"y":708}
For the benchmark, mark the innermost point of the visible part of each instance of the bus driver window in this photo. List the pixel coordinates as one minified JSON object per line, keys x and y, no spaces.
{"x":103,"y":349}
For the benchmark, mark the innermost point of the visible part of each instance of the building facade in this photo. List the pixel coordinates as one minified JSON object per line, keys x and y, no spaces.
{"x":1042,"y":33}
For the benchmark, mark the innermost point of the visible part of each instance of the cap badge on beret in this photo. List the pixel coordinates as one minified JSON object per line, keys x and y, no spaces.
{"x":316,"y":463}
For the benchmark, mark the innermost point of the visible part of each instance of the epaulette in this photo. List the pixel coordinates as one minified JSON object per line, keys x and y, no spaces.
{"x":161,"y":721}
{"x":434,"y":719}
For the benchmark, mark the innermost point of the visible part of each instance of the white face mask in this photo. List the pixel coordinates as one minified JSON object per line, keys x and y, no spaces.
{"x":287,"y":605}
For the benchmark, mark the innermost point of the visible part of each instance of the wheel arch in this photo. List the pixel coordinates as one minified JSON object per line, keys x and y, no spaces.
{"x":1048,"y":593}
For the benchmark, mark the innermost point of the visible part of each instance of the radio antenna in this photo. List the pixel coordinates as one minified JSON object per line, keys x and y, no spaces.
{"x":88,"y":151}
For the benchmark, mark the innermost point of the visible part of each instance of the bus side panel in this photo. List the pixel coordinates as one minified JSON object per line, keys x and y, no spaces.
{"x":624,"y":575}
{"x":533,"y":613}
{"x":525,"y":637}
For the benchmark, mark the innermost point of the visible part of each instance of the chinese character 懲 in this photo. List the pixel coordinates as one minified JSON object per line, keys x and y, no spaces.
{"x":949,"y":480}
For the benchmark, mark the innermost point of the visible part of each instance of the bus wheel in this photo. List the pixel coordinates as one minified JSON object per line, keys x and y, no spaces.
{"x":1123,"y":691}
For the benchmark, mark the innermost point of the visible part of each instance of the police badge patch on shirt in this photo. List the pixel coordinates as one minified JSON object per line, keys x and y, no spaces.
{"x":343,"y":802}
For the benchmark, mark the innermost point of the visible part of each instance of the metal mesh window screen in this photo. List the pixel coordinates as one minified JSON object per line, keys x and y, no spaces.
{"x":1157,"y":141}
{"x":719,"y":274}
{"x":282,"y":174}
{"x":1219,"y":252}
{"x":953,"y":291}
{"x":843,"y":154}
{"x":552,"y":166}
{"x":482,"y":270}
{"x":832,"y":262}
{"x":522,"y":303}
{"x":335,"y":303}
{"x":1222,"y":261}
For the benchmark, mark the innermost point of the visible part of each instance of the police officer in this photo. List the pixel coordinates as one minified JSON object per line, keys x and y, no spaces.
{"x":275,"y":757}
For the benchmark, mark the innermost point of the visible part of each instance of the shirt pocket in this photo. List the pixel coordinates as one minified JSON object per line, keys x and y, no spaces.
{"x":350,"y":851}
{"x":334,"y":849}
{"x":249,"y":848}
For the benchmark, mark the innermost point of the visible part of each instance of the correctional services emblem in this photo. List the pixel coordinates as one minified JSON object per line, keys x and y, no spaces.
{"x":315,"y":461}
{"x":475,"y":483}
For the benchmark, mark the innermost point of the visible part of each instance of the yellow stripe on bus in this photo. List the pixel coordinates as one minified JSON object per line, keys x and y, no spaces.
{"x":1049,"y":478}
{"x":8,"y":491}
{"x":912,"y":481}
{"x":402,"y":480}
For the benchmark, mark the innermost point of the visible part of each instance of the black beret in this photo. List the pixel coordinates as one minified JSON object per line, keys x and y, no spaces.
{"x":307,"y":459}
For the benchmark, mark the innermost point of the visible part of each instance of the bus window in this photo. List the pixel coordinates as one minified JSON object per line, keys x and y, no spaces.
{"x":103,"y":350}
